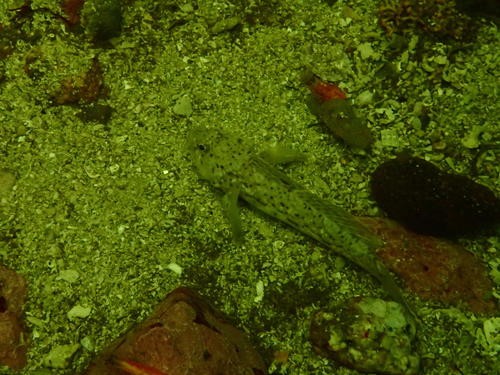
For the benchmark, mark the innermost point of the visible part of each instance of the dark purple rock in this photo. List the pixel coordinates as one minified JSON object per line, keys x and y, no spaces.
{"x":429,"y":201}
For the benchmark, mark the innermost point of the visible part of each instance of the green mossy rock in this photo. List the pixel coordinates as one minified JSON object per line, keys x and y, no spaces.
{"x":102,"y":19}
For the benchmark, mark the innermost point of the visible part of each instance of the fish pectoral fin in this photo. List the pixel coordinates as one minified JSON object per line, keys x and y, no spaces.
{"x":232,"y":213}
{"x":281,"y":155}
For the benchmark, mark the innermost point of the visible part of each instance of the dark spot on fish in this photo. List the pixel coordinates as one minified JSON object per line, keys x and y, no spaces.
{"x":206,"y":355}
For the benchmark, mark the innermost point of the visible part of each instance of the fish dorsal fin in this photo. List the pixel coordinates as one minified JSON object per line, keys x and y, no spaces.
{"x":343,"y":219}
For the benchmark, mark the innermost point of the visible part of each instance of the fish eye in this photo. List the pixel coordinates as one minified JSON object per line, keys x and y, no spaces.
{"x":202,"y":147}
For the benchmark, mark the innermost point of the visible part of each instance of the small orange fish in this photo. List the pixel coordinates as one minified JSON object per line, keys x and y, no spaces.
{"x":331,"y":106}
{"x":136,"y":368}
{"x":324,"y":91}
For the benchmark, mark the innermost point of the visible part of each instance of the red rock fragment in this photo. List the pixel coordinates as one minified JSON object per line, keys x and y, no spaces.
{"x":184,"y":335}
{"x":85,"y":88}
{"x":71,"y":9}
{"x":433,"y":268}
{"x":13,"y":340}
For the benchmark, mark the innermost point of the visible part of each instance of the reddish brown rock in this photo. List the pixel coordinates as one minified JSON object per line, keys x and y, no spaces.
{"x":434,"y":269}
{"x":13,"y":340}
{"x":184,"y":335}
{"x":84,"y":88}
{"x":72,"y":9}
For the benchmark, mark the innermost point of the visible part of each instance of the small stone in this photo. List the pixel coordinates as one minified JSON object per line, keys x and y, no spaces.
{"x":87,"y":343}
{"x":183,"y":106}
{"x":365,"y":98}
{"x":175,"y":268}
{"x":69,"y":275}
{"x":366,"y":51}
{"x":60,"y":356}
{"x":79,"y":311}
{"x":389,"y":138}
{"x":471,"y":140}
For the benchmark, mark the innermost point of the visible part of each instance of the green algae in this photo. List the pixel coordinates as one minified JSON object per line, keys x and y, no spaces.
{"x":119,"y":203}
{"x":368,"y":334}
{"x":102,"y":19}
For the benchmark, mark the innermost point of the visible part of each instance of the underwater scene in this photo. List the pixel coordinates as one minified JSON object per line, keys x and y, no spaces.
{"x":249,"y":187}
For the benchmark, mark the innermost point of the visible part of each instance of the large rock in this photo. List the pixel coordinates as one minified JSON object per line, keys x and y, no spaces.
{"x":183,"y":336}
{"x":13,"y":340}
{"x":430,"y":201}
{"x":433,"y":268}
{"x":368,"y":335}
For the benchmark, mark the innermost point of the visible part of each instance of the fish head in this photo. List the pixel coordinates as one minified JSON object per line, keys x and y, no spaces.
{"x":216,"y":155}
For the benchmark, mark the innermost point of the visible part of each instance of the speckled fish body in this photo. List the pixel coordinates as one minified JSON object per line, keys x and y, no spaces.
{"x":229,"y":164}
